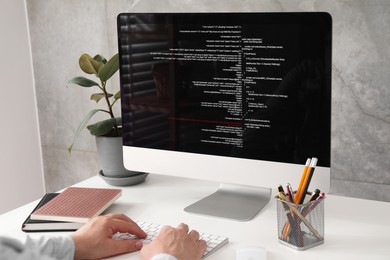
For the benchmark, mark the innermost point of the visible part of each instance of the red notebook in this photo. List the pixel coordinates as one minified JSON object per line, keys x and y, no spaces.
{"x":77,"y":204}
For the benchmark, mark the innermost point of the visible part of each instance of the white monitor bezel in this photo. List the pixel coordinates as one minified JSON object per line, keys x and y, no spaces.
{"x":222,"y":169}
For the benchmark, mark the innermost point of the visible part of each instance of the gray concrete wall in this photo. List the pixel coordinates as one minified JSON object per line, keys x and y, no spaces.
{"x":62,"y":30}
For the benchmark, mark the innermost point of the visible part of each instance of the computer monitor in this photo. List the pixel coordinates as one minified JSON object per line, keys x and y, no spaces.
{"x":238,"y":98}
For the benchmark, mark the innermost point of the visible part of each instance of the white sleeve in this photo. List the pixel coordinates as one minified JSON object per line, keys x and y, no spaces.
{"x":37,"y":249}
{"x":59,"y":247}
{"x":163,"y":257}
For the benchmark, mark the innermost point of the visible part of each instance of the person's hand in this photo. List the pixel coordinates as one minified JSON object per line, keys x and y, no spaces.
{"x":94,"y":240}
{"x":178,"y":242}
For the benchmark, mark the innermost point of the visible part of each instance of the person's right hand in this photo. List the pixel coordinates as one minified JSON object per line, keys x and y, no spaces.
{"x":179,"y":242}
{"x":94,"y":239}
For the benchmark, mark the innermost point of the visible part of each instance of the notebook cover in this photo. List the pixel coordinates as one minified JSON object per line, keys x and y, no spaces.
{"x":31,"y":225}
{"x":77,"y":204}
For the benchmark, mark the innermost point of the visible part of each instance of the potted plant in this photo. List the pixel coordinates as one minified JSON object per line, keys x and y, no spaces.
{"x":108,"y":132}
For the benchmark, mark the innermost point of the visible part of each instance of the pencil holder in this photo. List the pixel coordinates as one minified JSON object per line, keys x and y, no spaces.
{"x":300,"y":226}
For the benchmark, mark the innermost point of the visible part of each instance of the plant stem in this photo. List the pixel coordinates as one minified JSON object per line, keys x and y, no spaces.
{"x":109,"y":105}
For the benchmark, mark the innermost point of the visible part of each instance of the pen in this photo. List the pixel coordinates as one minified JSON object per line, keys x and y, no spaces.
{"x":290,"y":196}
{"x":314,"y":204}
{"x":307,"y":180}
{"x":299,"y":190}
{"x":284,"y":199}
{"x":315,"y":195}
{"x":281,"y":193}
{"x":290,"y":193}
{"x":286,"y":228}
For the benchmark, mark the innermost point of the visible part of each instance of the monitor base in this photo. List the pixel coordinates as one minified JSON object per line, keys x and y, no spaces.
{"x":235,"y":202}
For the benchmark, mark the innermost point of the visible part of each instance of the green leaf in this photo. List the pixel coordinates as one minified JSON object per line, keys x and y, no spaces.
{"x":109,"y":68}
{"x":83,"y":82}
{"x":102,"y":127}
{"x":100,"y":58}
{"x":89,"y":65}
{"x":117,"y":95}
{"x":98,"y":96}
{"x":82,"y":126}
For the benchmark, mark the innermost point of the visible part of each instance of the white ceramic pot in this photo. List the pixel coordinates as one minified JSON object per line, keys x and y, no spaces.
{"x":110,"y":154}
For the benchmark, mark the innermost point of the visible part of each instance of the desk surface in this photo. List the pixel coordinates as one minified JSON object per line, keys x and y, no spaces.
{"x":354,"y":228}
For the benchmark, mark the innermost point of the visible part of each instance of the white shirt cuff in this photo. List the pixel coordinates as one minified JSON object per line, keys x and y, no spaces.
{"x":163,"y":257}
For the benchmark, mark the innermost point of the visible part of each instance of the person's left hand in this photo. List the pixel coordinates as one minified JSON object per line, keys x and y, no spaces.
{"x":94,"y":240}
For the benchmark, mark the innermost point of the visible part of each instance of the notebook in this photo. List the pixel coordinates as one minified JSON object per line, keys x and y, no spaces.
{"x":77,"y":204}
{"x":31,"y":225}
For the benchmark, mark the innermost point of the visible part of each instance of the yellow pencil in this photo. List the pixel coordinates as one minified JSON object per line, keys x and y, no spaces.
{"x":309,"y":175}
{"x":298,"y":195}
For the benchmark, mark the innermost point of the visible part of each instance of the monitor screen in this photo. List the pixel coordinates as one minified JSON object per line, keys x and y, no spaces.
{"x":245,"y":95}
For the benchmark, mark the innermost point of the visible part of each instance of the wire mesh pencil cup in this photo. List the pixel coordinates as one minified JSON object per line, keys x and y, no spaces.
{"x":300,"y":226}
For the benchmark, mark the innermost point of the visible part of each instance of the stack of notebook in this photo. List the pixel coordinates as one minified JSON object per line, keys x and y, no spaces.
{"x":70,"y":209}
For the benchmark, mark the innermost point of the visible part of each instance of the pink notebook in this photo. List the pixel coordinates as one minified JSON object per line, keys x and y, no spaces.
{"x":77,"y":204}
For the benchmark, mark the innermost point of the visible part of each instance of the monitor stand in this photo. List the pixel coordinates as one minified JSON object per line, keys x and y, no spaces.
{"x":234,"y":202}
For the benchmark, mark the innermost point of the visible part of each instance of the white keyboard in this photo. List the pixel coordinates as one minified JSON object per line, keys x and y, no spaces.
{"x":214,"y":242}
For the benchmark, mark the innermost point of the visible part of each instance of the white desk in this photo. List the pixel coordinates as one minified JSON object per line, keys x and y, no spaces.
{"x":354,"y":228}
